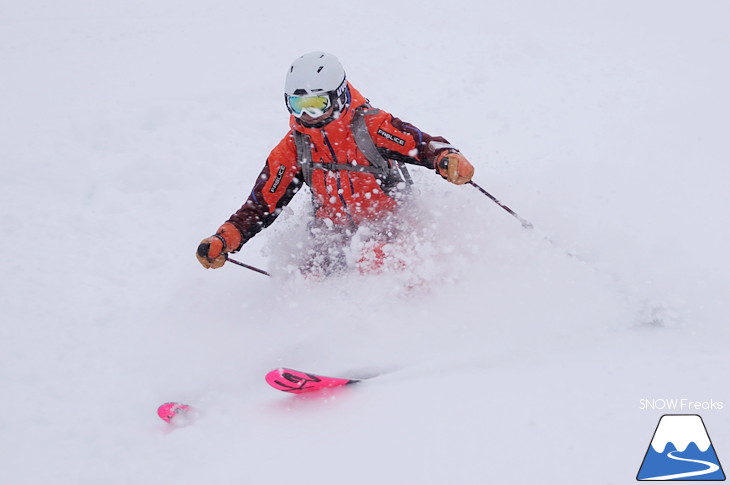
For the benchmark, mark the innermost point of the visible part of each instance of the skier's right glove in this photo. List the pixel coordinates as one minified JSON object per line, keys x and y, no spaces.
{"x":213,"y":251}
{"x":454,"y":167}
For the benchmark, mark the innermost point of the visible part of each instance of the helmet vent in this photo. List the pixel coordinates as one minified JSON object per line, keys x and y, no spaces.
{"x":320,"y":69}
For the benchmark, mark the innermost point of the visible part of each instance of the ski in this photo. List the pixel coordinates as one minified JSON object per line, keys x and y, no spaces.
{"x":297,"y":382}
{"x":287,"y":380}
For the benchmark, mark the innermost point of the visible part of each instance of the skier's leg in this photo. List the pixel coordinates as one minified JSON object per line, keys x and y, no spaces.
{"x":325,"y":254}
{"x":382,"y":245}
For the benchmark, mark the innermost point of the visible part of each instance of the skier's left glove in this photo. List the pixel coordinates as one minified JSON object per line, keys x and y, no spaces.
{"x":454,"y":167}
{"x":213,"y":251}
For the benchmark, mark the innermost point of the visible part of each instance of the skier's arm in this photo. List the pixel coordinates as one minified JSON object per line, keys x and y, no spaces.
{"x":279,"y":180}
{"x":401,"y":141}
{"x":275,"y":186}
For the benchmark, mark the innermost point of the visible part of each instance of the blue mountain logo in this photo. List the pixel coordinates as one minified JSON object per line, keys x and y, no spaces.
{"x":681,"y":450}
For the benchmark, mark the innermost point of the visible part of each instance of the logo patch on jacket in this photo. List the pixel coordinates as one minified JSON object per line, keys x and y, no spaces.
{"x":277,"y":180}
{"x":390,"y":137}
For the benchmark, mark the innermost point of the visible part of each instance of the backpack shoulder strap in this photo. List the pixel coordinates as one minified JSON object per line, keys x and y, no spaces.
{"x":304,"y":154}
{"x":364,"y":141}
{"x":367,"y":146}
{"x":380,"y":167}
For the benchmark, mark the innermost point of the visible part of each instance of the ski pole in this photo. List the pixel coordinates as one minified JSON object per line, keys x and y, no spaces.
{"x":247,"y":266}
{"x":656,"y":310}
{"x":525,"y":223}
{"x":528,"y":225}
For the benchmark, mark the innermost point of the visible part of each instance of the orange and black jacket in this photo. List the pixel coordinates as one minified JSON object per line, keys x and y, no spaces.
{"x":343,"y":190}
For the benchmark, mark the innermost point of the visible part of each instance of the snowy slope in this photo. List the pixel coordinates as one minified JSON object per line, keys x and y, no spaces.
{"x":131,"y":130}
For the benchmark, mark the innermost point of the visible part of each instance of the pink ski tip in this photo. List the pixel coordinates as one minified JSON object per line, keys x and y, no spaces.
{"x":169,"y":410}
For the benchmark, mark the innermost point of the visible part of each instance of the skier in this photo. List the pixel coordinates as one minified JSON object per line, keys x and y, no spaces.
{"x":351,"y":156}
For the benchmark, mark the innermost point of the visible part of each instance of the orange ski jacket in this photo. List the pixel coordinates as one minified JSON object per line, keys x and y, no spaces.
{"x":354,"y":167}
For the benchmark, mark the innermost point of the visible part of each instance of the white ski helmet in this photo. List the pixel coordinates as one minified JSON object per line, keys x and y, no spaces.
{"x":314,"y":83}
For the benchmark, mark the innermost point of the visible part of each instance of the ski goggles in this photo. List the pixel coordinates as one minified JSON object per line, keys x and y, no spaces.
{"x":313,"y":105}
